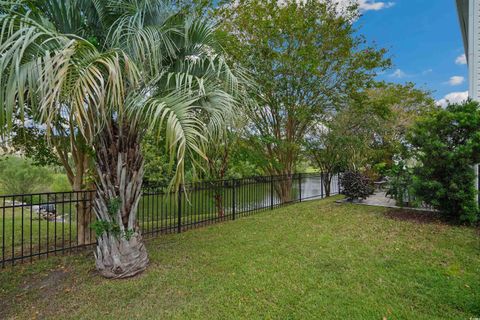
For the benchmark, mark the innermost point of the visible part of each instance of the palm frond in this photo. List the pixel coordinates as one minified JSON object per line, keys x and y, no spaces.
{"x":157,"y":70}
{"x":54,"y":71}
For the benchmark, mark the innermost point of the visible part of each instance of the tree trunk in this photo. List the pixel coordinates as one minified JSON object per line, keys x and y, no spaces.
{"x":119,"y":257}
{"x":82,"y":196}
{"x":283,"y":187}
{"x":327,"y":182}
{"x":219,"y":204}
{"x":85,"y":217}
{"x":119,"y":163}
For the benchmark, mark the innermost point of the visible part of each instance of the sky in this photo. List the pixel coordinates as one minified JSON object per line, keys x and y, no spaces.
{"x":423,"y":39}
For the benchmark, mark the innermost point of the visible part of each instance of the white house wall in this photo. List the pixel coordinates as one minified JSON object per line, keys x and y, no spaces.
{"x":474,"y":58}
{"x":474,"y":49}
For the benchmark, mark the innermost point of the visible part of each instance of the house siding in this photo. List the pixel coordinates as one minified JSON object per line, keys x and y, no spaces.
{"x":474,"y":49}
{"x":474,"y":60}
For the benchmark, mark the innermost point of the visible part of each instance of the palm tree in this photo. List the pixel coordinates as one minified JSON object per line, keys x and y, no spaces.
{"x":120,"y":69}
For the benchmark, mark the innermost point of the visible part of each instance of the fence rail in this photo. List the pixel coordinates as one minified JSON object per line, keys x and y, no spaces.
{"x":43,"y":224}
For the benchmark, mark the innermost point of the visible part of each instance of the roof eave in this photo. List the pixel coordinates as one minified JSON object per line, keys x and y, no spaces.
{"x":462,"y":10}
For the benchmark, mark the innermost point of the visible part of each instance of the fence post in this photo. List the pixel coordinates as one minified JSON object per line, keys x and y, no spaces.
{"x":233,"y":199}
{"x":300,"y":187}
{"x":179,"y":209}
{"x":271,"y":192}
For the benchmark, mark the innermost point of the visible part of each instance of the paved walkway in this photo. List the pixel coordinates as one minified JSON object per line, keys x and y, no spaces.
{"x":380,"y":199}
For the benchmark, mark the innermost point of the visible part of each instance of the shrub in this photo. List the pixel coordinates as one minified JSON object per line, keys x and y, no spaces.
{"x":400,"y":185}
{"x":20,"y":176}
{"x":447,"y":144}
{"x":60,"y":183}
{"x":356,"y":185}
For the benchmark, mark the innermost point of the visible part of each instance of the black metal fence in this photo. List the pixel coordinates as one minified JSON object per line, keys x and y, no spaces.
{"x":43,"y":224}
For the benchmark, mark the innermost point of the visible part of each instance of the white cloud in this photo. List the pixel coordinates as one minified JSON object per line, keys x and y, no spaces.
{"x":456,"y":80}
{"x":454,"y":97}
{"x":367,"y":5}
{"x":363,"y":5}
{"x":461,"y":59}
{"x":399,"y":74}
{"x":428,"y":71}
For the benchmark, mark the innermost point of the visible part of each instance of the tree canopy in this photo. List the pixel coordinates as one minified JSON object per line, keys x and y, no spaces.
{"x":307,"y":61}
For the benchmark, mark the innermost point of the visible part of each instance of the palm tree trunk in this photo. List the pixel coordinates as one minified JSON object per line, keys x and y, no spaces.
{"x":119,"y":163}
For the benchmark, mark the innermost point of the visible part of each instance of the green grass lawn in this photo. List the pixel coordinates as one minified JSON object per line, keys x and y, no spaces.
{"x":314,"y":260}
{"x":39,"y":231}
{"x":22,"y":232}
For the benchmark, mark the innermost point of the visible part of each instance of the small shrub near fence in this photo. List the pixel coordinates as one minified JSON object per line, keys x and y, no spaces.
{"x":44,"y":224}
{"x":356,"y":185}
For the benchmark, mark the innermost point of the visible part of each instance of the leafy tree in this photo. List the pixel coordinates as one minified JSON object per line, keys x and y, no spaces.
{"x":157,"y":159}
{"x":307,"y":59}
{"x":395,"y":108}
{"x":326,"y":149}
{"x":65,"y":147}
{"x":31,"y":141}
{"x":118,"y":69}
{"x":219,"y":160}
{"x":370,"y":131}
{"x":245,"y":162}
{"x":344,"y":142}
{"x":447,"y":145}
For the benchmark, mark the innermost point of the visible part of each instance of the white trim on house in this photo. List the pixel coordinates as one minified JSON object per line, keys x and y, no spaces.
{"x":462,"y":9}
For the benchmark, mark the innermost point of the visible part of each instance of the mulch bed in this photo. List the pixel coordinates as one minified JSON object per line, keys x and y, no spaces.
{"x":421,"y":217}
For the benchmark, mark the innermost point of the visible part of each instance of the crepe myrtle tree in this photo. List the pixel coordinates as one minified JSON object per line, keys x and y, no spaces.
{"x":67,"y":148}
{"x":119,"y":69}
{"x":218,"y":161}
{"x":344,"y":142}
{"x":326,"y":150}
{"x":307,"y":59}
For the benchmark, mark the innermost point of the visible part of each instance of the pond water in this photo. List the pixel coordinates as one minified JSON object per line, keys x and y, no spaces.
{"x":224,"y":199}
